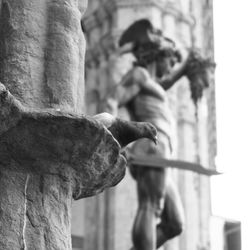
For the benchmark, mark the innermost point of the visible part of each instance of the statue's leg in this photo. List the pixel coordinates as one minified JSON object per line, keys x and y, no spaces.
{"x":172,"y":217}
{"x":151,"y":188}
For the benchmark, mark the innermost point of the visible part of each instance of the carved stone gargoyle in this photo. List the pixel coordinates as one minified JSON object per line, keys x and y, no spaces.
{"x":46,"y":158}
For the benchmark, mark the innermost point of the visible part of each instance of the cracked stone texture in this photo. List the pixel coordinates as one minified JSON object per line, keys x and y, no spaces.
{"x":47,"y":157}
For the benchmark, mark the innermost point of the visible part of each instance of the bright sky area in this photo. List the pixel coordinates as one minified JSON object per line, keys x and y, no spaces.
{"x":231,"y":191}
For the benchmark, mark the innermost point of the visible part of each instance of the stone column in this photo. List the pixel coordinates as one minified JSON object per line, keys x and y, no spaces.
{"x":42,"y":53}
{"x":47,"y":154}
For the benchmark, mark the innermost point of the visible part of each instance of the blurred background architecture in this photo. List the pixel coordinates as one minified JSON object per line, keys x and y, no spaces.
{"x":104,"y":222}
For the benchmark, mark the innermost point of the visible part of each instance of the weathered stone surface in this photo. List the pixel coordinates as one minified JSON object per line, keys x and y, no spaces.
{"x":39,"y":139}
{"x":42,"y":52}
{"x":46,"y":158}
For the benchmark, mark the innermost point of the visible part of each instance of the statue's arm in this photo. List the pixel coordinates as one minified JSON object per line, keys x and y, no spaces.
{"x":136,"y":81}
{"x":128,"y":88}
{"x":139,"y":81}
{"x":120,"y":94}
{"x":167,"y":81}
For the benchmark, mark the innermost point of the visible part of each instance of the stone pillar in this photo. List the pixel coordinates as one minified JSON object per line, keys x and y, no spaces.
{"x":42,"y":53}
{"x":47,"y":156}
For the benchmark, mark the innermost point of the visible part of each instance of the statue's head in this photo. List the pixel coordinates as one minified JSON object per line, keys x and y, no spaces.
{"x":149,"y":45}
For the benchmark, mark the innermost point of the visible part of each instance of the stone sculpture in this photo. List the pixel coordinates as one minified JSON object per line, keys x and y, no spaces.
{"x":160,"y":214}
{"x":49,"y":152}
{"x":46,"y":158}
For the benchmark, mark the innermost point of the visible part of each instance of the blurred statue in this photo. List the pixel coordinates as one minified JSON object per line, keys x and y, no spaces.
{"x":160,"y":214}
{"x":159,"y":65}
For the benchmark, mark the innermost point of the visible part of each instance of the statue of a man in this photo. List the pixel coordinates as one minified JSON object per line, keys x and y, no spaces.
{"x":160,"y":214}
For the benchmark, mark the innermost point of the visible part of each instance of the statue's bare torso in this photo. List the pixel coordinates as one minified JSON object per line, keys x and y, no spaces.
{"x":146,"y":101}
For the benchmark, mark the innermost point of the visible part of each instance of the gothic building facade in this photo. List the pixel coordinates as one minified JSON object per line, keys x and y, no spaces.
{"x":104,"y":222}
